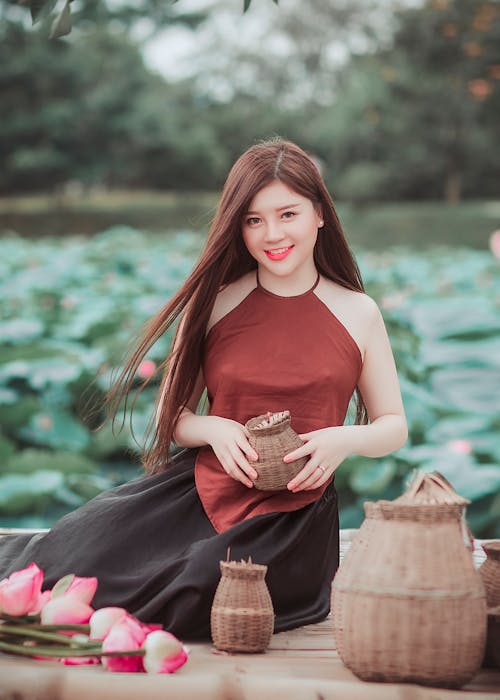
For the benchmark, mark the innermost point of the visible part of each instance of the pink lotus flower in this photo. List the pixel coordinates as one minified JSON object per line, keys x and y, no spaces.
{"x":66,"y":610}
{"x":463,"y":447}
{"x":150,"y":627}
{"x":20,"y":593}
{"x":79,"y":661}
{"x":495,"y":243}
{"x":146,"y":369}
{"x":103,"y":620}
{"x":127,"y":634}
{"x":82,"y":588}
{"x":164,"y":653}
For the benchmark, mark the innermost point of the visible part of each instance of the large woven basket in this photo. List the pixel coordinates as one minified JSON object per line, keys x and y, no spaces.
{"x":407,"y":602}
{"x":272,"y":437}
{"x":490,"y":573}
{"x":242,"y":615}
{"x":492,"y":651}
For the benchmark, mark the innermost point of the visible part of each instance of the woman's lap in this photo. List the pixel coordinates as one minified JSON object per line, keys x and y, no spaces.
{"x":155,"y":552}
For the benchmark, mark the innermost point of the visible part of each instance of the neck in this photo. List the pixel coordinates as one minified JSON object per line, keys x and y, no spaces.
{"x":301,"y":282}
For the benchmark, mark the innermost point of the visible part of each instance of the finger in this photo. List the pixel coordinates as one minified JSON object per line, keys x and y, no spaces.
{"x":240,"y":475}
{"x":231,"y":468}
{"x":316,"y":479}
{"x":241,"y":463}
{"x":301,"y":451}
{"x":247,"y":449}
{"x":304,"y":474}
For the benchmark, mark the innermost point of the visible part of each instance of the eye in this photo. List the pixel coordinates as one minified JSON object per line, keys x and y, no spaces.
{"x":289,"y":214}
{"x":252,"y":220}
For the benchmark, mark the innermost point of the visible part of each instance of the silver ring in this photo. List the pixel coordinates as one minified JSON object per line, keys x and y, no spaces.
{"x":322,"y":469}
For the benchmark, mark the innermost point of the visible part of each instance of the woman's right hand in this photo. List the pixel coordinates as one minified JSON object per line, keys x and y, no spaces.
{"x":229,"y":441}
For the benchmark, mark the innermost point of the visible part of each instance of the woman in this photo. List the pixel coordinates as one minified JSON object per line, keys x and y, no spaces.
{"x":273,"y":317}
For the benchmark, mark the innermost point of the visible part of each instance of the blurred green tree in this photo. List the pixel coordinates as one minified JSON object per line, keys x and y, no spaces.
{"x":158,"y":12}
{"x":154,"y":15}
{"x":418,"y":118}
{"x":90,"y":111}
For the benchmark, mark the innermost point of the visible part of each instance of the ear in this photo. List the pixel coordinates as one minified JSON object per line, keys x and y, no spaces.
{"x":319,"y":213}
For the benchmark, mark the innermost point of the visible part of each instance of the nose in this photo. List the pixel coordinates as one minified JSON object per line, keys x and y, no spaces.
{"x":273,"y":232}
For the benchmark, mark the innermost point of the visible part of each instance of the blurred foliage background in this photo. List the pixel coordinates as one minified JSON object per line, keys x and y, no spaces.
{"x":112,"y":153}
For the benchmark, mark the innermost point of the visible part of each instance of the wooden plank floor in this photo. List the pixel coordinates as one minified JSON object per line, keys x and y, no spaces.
{"x":301,"y":664}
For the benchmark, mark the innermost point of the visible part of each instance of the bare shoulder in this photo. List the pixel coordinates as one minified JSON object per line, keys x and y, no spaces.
{"x":230,"y":296}
{"x":357,"y":311}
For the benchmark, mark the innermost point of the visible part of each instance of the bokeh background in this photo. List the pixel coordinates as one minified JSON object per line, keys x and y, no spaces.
{"x":115,"y":139}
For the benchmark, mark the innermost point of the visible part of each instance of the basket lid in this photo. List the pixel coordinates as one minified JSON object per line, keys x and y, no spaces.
{"x":243,"y":569}
{"x":430,"y":488}
{"x":492,"y":549}
{"x":268,"y":423}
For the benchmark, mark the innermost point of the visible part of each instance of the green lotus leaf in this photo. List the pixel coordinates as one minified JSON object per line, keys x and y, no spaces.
{"x":32,"y":460}
{"x":20,"y":330}
{"x":459,"y":427}
{"x":28,"y":493}
{"x":7,"y":449}
{"x":8,"y":396}
{"x":105,"y":444}
{"x":464,"y":353}
{"x":468,"y":389}
{"x":373,"y":477}
{"x":40,"y":374}
{"x":87,"y":486}
{"x":14,"y":417}
{"x":469,"y":478}
{"x":56,"y":428}
{"x":421,"y":406}
{"x":466,"y":317}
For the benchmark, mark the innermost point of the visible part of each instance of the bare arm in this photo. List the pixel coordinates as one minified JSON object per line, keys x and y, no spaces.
{"x":228,"y":438}
{"x":387,"y":431}
{"x":379,"y":387}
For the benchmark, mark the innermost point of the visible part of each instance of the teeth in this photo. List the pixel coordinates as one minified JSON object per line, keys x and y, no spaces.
{"x":277,"y":251}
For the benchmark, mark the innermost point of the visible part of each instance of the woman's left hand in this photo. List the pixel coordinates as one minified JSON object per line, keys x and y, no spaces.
{"x":327,"y":448}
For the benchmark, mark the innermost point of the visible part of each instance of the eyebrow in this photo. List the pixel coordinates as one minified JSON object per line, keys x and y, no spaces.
{"x":287,"y":206}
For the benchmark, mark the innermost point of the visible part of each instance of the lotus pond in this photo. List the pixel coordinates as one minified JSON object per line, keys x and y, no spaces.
{"x":69,"y":307}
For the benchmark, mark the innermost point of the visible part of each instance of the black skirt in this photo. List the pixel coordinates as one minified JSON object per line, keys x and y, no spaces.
{"x":155,"y":552}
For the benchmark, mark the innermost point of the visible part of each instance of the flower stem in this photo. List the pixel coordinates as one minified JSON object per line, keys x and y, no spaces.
{"x":94,"y":649}
{"x":19,"y":631}
{"x":49,"y":651}
{"x":20,"y":619}
{"x":83,"y":629}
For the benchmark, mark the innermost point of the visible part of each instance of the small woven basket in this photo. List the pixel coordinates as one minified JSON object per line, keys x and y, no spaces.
{"x":272,"y":437}
{"x":242,"y":615}
{"x":492,"y":651}
{"x":490,"y":573}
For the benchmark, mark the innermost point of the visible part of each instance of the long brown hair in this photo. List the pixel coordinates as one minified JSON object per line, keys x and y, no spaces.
{"x":223,"y":260}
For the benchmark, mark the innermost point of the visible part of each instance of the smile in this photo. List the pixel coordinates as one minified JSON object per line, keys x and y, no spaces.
{"x":278,"y":253}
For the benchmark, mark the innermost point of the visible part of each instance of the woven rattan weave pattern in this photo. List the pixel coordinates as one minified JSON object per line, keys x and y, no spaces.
{"x":272,"y":437}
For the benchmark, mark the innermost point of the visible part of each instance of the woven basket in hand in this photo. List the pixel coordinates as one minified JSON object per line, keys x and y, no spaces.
{"x":490,"y":573}
{"x":272,"y":437}
{"x":242,"y":615}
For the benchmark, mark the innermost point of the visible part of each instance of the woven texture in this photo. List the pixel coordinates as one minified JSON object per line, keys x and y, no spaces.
{"x":407,"y":602}
{"x":272,"y":437}
{"x":492,"y":652}
{"x":242,"y":616}
{"x":490,"y":573}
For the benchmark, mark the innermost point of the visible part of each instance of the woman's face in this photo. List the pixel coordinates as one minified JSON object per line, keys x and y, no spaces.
{"x":280,"y":229}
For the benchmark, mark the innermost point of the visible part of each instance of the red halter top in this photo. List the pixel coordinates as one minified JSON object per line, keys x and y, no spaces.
{"x":272,"y":353}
